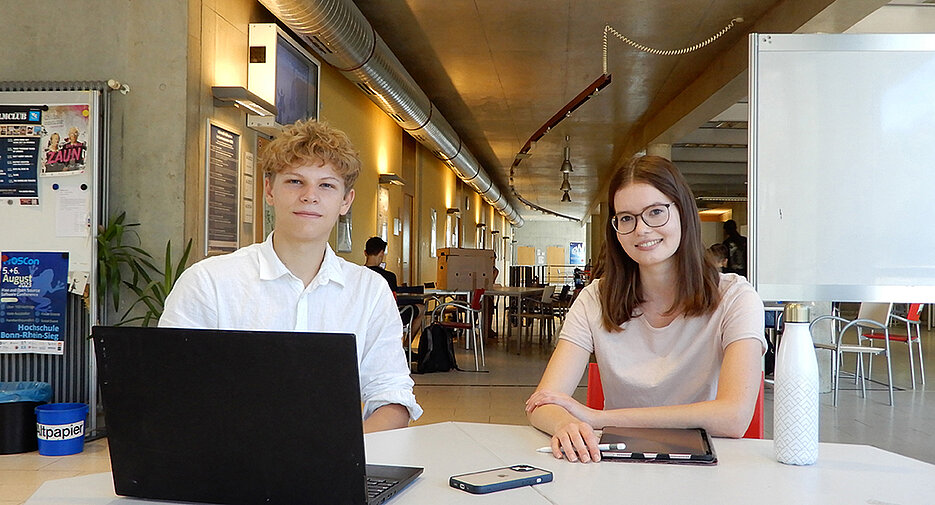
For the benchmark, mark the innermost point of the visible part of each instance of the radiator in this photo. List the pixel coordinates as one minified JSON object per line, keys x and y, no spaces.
{"x":69,"y":374}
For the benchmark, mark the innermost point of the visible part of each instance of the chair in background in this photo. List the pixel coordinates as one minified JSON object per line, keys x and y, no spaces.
{"x":913,"y":320}
{"x":407,"y":314}
{"x":595,"y":400}
{"x":541,"y":310}
{"x":562,"y":302}
{"x":755,"y":430}
{"x":870,"y":316}
{"x":467,"y":320}
{"x":566,"y":288}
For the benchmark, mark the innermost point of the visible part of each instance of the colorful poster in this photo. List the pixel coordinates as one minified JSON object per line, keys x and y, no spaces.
{"x":65,"y":139}
{"x":20,"y":136}
{"x":33,"y":300}
{"x":576,"y":253}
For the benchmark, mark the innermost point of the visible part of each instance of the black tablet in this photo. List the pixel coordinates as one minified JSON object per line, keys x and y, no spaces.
{"x":660,"y":445}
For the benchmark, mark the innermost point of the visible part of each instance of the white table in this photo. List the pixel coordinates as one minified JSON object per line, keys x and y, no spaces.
{"x":443,"y":293}
{"x":746,"y":473}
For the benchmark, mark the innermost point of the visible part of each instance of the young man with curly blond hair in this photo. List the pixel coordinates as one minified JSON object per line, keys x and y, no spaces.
{"x":294,"y":281}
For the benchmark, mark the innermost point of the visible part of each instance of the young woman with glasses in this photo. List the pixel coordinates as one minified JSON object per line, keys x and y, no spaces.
{"x":678,"y":344}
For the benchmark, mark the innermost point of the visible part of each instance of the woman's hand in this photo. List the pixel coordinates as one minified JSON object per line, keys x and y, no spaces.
{"x":574,"y":407}
{"x":576,"y":441}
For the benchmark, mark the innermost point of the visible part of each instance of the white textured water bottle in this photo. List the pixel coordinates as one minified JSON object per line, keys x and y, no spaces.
{"x":795,"y":399}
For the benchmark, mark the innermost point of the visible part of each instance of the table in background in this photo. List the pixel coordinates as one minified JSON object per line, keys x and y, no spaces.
{"x":520,"y":294}
{"x":747,"y":472}
{"x":441,"y":294}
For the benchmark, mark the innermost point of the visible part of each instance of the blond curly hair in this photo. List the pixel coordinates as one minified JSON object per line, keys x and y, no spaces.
{"x":311,"y":143}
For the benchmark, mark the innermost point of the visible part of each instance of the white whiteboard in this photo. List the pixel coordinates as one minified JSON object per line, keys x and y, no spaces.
{"x":41,"y":227}
{"x":842,"y":167}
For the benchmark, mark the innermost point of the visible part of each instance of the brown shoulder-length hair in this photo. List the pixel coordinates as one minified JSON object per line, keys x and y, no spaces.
{"x":620,"y":289}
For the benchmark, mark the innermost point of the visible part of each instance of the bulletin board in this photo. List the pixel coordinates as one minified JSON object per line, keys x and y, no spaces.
{"x":62,"y":214}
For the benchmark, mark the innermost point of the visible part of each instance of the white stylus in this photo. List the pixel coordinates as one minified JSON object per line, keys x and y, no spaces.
{"x":601,"y":447}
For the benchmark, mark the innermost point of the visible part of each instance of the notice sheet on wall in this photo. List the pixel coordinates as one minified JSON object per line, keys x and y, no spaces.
{"x":223,"y":157}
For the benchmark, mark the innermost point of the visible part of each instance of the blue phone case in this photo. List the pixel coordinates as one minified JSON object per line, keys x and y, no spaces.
{"x":498,"y":479}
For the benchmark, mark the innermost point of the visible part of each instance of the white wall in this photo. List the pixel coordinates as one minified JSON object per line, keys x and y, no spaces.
{"x":557,"y":233}
{"x":898,"y":19}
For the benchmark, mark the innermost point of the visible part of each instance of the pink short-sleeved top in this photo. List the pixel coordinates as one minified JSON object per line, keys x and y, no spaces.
{"x":643,"y":366}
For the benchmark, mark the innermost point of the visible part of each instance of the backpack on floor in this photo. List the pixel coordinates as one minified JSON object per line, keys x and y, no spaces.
{"x":436,"y":350}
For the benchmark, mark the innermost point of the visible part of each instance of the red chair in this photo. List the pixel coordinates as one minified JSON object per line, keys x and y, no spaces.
{"x":912,"y":320}
{"x":595,"y":400}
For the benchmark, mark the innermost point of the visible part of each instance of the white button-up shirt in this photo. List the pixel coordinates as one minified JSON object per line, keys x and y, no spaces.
{"x":251,"y":289}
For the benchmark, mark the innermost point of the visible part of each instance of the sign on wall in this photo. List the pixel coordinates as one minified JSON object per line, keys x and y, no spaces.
{"x":33,"y":302}
{"x":576,"y":253}
{"x":20,"y":137}
{"x":221,"y":202}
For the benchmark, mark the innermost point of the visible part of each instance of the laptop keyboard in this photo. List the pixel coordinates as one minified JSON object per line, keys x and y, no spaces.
{"x":375,"y":486}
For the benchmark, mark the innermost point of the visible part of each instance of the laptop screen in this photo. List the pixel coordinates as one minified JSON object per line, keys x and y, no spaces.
{"x":232,"y":416}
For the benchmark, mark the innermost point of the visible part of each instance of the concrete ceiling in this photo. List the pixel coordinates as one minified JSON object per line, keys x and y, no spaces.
{"x":498,"y":70}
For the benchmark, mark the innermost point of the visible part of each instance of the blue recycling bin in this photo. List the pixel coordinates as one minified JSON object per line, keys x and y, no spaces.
{"x":18,"y":401}
{"x":60,"y":428}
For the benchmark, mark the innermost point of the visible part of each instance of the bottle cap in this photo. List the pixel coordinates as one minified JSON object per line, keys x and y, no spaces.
{"x":795,"y":313}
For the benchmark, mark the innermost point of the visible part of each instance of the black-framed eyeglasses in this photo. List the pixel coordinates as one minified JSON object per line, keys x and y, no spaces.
{"x":654,"y":216}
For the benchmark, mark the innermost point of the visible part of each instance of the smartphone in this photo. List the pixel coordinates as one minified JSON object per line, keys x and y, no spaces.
{"x":499,"y":479}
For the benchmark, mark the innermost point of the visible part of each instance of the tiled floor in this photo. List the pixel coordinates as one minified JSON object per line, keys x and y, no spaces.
{"x":908,"y":428}
{"x":22,"y":474}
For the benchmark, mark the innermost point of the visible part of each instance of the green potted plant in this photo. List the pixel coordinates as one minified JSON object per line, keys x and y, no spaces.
{"x":123,"y":264}
{"x":158,"y":285}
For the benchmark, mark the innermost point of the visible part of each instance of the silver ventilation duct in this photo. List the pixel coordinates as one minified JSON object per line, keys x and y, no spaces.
{"x":340,"y":33}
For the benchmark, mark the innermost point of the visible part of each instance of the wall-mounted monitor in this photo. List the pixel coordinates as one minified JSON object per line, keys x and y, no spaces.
{"x":283,"y":73}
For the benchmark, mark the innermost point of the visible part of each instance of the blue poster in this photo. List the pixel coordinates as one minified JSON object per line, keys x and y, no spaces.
{"x":576,"y":253}
{"x":33,"y":302}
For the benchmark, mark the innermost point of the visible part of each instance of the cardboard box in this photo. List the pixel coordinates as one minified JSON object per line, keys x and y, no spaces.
{"x":464,"y":269}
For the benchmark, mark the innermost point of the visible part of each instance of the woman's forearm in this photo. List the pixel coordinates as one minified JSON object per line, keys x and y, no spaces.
{"x":719,"y":418}
{"x":549,"y":418}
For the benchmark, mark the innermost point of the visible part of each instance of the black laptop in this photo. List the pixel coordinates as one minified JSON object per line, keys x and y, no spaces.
{"x":237,"y":417}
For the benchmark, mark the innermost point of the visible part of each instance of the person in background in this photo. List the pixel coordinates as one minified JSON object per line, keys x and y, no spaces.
{"x":294,"y":281}
{"x":678,"y":344}
{"x":737,"y":249}
{"x":375,"y":259}
{"x":374,"y":256}
{"x":578,"y":277}
{"x":719,"y":254}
